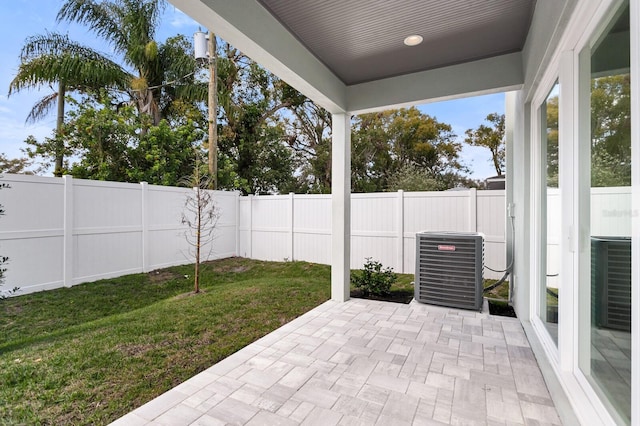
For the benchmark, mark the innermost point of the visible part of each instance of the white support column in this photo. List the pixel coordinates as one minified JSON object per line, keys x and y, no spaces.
{"x":518,"y":153}
{"x":67,"y":241}
{"x":400,"y":265}
{"x":340,"y":206}
{"x":144,"y":217}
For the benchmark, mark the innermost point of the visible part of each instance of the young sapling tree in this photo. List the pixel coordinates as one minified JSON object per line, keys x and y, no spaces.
{"x":200,"y":215}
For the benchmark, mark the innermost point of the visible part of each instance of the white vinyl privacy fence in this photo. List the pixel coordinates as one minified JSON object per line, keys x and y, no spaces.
{"x":383,"y":226}
{"x":62,"y":231}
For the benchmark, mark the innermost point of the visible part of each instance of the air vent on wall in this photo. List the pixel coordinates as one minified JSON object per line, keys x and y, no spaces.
{"x":449,"y":269}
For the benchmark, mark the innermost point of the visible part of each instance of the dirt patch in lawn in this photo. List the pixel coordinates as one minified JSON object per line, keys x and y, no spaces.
{"x":161,"y":276}
{"x":227,"y":265}
{"x":189,"y":294}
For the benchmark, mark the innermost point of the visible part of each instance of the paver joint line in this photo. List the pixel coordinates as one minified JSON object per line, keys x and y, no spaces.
{"x":364,"y":363}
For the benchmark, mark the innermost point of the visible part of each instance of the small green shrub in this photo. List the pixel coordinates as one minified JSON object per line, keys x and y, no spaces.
{"x":373,"y":279}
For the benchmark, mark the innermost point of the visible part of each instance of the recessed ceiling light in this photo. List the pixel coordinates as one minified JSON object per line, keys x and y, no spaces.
{"x":413,"y":40}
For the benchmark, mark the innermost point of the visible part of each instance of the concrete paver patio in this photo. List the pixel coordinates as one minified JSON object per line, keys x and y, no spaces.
{"x":368,"y":363}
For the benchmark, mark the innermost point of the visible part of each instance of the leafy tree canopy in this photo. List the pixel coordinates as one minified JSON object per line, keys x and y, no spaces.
{"x":16,"y":165}
{"x":492,"y":138}
{"x":143,"y":117}
{"x":150,"y":75}
{"x":385,"y":143}
{"x":413,"y":178}
{"x":611,"y":131}
{"x":104,"y":142}
{"x":254,"y":155}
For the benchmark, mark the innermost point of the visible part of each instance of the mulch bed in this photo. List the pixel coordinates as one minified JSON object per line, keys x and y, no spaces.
{"x":495,"y":308}
{"x":396,"y":297}
{"x":501,"y":309}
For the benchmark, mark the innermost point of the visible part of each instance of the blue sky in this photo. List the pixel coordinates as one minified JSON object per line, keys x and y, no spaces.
{"x":469,"y":113}
{"x":24,"y":18}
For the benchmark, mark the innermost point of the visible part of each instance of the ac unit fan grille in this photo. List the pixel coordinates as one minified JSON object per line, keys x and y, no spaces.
{"x":449,"y":269}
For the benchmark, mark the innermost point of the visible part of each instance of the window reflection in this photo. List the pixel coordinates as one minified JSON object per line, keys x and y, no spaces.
{"x":609,"y":358}
{"x":550,"y":277}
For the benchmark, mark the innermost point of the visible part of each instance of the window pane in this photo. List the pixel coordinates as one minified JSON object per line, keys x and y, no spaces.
{"x":549,"y":288}
{"x":609,"y":363}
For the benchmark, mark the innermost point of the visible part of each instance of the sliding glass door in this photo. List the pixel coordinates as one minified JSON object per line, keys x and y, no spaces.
{"x":605,"y":188}
{"x":550,"y":198}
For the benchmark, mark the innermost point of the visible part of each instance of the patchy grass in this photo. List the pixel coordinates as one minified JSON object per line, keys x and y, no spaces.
{"x":91,"y":353}
{"x":500,"y":295}
{"x":499,"y":292}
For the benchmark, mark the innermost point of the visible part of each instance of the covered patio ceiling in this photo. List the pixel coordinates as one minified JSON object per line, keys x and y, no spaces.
{"x":349,"y":56}
{"x":362,"y":41}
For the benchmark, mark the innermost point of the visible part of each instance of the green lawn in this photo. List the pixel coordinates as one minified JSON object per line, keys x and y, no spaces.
{"x":91,"y":353}
{"x":94,"y":352}
{"x":500,"y":292}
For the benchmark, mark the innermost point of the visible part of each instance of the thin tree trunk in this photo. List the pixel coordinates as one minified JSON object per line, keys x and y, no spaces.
{"x":496,"y":162}
{"x":59,"y":122}
{"x":196,"y":280}
{"x":154,"y":110}
{"x":147,"y":105}
{"x":213,"y":112}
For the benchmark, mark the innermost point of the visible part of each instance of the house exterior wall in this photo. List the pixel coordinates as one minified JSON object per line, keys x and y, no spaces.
{"x":518,"y":184}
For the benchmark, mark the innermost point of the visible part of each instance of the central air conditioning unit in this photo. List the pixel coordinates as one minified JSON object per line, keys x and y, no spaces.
{"x":449,"y":269}
{"x":611,"y":282}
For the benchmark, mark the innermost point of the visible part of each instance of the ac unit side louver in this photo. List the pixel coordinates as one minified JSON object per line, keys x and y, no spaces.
{"x":611,"y":282}
{"x":449,"y":269}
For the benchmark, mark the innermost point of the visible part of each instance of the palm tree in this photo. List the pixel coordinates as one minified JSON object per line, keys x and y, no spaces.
{"x":129,"y":26}
{"x":55,"y":59}
{"x":152,"y":76}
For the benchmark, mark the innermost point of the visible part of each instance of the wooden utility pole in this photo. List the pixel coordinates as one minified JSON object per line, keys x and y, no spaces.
{"x":213,"y":111}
